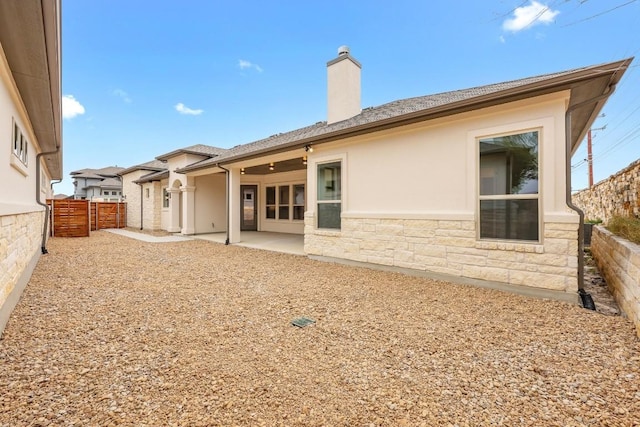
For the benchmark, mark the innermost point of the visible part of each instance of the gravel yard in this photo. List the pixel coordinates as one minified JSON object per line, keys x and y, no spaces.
{"x":114,"y":331}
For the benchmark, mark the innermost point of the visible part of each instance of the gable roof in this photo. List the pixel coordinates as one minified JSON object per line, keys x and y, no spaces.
{"x":109,"y":171}
{"x":199,"y":149}
{"x":153,"y":176}
{"x":584,"y":83}
{"x":153,"y":165}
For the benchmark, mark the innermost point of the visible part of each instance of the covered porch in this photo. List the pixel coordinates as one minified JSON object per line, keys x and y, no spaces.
{"x":276,"y":242}
{"x":257,"y":202}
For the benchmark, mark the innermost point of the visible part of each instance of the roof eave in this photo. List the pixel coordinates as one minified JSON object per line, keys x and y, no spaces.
{"x":543,"y":87}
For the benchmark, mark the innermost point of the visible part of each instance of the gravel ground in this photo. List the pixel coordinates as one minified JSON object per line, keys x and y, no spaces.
{"x":113,"y":331}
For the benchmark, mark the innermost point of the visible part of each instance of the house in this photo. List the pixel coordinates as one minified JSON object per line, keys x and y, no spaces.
{"x":147,"y":191}
{"x":97,"y":184}
{"x":470,"y":185}
{"x":30,"y":125}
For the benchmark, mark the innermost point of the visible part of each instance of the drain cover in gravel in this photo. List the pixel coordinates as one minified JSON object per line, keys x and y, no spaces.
{"x":301,"y":322}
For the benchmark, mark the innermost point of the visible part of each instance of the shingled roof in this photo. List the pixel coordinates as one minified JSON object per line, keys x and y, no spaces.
{"x":199,"y":149}
{"x":153,"y":165}
{"x":412,"y":110}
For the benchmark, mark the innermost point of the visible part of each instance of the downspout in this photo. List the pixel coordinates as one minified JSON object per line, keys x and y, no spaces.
{"x":226,"y":242}
{"x":587,"y":300}
{"x":43,"y":245}
{"x":141,"y":204}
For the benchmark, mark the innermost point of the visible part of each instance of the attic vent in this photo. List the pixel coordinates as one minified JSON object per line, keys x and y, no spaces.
{"x":343,"y":50}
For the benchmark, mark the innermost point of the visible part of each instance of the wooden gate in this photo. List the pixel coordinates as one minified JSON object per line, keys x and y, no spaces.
{"x":69,"y":218}
{"x":76,"y":218}
{"x":108,"y":215}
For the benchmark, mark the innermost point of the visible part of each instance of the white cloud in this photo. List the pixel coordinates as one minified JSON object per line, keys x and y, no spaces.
{"x":527,"y":16}
{"x":183,"y":109}
{"x":246,"y":64}
{"x":124,"y":95}
{"x":71,"y":107}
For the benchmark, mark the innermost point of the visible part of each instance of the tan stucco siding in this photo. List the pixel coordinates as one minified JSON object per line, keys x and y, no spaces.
{"x":210,"y":203}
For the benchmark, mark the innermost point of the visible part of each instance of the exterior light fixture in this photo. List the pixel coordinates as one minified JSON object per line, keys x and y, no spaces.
{"x":242,"y":171}
{"x":308,"y":148}
{"x":304,"y":160}
{"x":271,"y":166}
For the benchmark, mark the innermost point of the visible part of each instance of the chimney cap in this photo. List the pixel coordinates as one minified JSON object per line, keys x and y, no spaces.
{"x":343,"y":50}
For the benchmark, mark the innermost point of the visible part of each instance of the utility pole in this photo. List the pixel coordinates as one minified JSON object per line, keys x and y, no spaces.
{"x":590,"y":153}
{"x":590,"y":159}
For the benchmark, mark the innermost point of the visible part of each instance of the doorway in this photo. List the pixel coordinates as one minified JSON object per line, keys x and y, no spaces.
{"x":249,"y":208}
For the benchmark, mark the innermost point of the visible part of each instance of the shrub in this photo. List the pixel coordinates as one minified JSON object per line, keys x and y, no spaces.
{"x":625,"y":227}
{"x":593,"y":221}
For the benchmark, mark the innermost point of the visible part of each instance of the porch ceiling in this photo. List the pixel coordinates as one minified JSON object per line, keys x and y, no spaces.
{"x":278,"y":167}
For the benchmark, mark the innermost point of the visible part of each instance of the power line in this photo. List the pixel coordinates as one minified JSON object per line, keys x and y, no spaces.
{"x":598,"y":14}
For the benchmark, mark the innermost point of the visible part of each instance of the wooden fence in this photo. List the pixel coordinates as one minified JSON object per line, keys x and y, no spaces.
{"x":77,"y":218}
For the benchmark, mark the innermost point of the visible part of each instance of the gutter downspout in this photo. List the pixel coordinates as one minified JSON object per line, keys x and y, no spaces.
{"x":587,"y":301}
{"x":141,"y":204}
{"x":226,"y":242}
{"x":43,"y":245}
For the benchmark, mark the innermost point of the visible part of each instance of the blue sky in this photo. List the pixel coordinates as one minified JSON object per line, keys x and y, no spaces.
{"x":142,"y":78}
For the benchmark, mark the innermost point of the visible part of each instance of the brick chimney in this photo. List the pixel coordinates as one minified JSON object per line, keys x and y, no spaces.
{"x":343,"y":87}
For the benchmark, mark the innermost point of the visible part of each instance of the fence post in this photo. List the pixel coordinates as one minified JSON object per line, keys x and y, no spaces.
{"x":118,"y":215}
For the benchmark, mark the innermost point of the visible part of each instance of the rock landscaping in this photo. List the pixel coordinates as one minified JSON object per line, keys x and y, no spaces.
{"x":113,"y":331}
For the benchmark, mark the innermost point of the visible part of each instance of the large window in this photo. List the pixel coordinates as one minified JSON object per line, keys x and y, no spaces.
{"x":329,"y":195}
{"x":285,"y":202}
{"x":508,"y":184}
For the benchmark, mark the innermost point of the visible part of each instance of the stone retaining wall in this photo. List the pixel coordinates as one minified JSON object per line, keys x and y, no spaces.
{"x":451,"y":247}
{"x":619,"y":262}
{"x":616,"y":195}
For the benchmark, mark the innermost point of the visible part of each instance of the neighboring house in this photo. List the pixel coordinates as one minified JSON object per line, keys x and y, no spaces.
{"x":98,"y":184}
{"x":30,"y":125}
{"x":149,"y":183}
{"x":473,"y":184}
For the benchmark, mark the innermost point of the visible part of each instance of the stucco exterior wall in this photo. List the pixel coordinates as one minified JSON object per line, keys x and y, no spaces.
{"x":619,"y":261}
{"x":21,"y":218}
{"x":410,"y":197}
{"x":617,"y":195}
{"x":210,"y":204}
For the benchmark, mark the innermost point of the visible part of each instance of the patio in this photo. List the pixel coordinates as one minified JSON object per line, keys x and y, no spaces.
{"x":194,"y":333}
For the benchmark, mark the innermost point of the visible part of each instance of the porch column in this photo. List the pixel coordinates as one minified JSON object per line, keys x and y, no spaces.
{"x":174,"y":210}
{"x":188,"y":209}
{"x":234,"y":205}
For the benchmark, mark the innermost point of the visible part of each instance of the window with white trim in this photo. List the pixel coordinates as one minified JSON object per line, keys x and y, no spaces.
{"x":20,"y":145}
{"x":508,"y":187}
{"x":165,"y":198}
{"x":329,"y":196}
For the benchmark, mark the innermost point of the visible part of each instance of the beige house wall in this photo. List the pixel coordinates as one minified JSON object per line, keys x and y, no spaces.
{"x":21,"y":217}
{"x":410,"y":197}
{"x":210,"y":203}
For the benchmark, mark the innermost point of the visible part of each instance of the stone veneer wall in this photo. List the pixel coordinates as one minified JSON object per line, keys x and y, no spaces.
{"x":616,"y":195}
{"x":20,"y":240}
{"x":619,"y":262}
{"x":451,"y":247}
{"x":152,"y":206}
